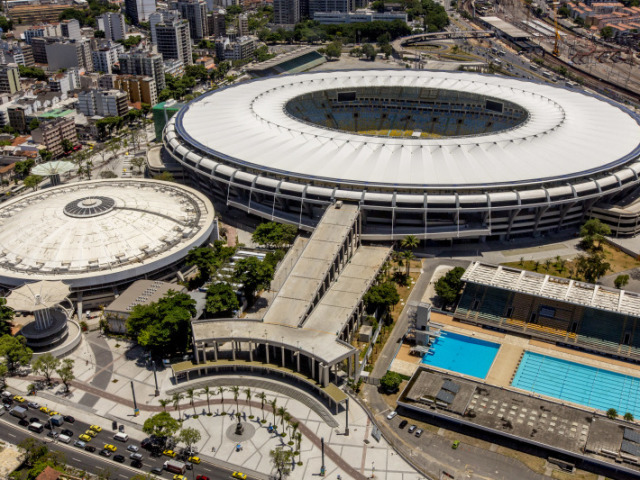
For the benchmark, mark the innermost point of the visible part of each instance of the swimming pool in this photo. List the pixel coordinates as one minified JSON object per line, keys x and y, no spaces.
{"x":461,"y":354}
{"x":577,"y":383}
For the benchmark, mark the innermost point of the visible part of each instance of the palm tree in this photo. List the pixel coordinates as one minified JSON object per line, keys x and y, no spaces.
{"x":164,"y":402}
{"x":191,"y":394}
{"x":175,"y":399}
{"x":294,"y":428}
{"x":410,"y":242}
{"x":274,"y":406}
{"x":521,"y":261}
{"x":298,"y":442}
{"x":407,"y":256}
{"x":247,"y":392}
{"x":208,"y":392}
{"x":263,"y":398}
{"x":287,"y":418}
{"x":236,"y":393}
{"x":561,"y":264}
{"x":536,"y":266}
{"x":221,"y":391}
{"x":547,"y":264}
{"x":281,"y":413}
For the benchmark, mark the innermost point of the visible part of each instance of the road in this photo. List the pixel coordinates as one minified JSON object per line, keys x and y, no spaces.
{"x":12,"y":432}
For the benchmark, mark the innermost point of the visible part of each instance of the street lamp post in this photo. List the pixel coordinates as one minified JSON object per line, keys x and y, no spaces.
{"x":155,"y":377}
{"x":322,"y":468}
{"x":136,"y":412}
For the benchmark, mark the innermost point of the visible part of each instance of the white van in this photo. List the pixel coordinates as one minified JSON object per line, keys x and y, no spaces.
{"x":121,"y":437}
{"x":64,"y":438}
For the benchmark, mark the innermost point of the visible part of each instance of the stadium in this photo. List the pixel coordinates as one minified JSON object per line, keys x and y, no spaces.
{"x":101,"y":235}
{"x":440,"y":155}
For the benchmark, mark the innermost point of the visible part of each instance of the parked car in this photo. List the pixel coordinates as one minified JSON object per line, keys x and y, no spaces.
{"x":66,"y":432}
{"x":132,"y":448}
{"x":135,"y":456}
{"x":90,"y":448}
{"x":23,"y":422}
{"x":119,"y":458}
{"x":34,"y":420}
{"x":156,"y":470}
{"x":34,"y":405}
{"x":136,"y":463}
{"x":392,"y":415}
{"x":455,"y":444}
{"x":418,"y":432}
{"x":412,"y":428}
{"x":403,"y":424}
{"x":105,"y":453}
{"x":80,"y":444}
{"x":69,"y":419}
{"x":53,"y":434}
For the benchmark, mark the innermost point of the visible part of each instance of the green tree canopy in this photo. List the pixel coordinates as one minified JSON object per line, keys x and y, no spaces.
{"x":6,"y":317}
{"x":45,"y":364}
{"x":281,"y":458}
{"x":606,"y":32}
{"x":32,"y":181}
{"x":621,"y":281}
{"x":15,"y":352}
{"x":390,"y":381}
{"x":162,"y":425}
{"x":163,"y":326}
{"x":592,"y":266}
{"x":382,"y":296}
{"x":222,"y":300}
{"x":448,"y":287}
{"x":65,"y":372}
{"x":274,"y":235}
{"x":254,"y":275}
{"x":189,"y":436}
{"x":593,"y":234}
{"x":32,"y":72}
{"x":333,"y":50}
{"x":369,"y":51}
{"x":23,"y":167}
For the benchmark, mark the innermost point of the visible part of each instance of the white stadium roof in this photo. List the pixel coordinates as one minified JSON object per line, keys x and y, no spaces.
{"x":568,"y":134}
{"x":100,"y":232}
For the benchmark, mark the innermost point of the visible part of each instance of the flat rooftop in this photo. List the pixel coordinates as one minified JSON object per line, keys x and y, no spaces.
{"x":337,"y":305}
{"x":292,"y":304}
{"x":560,"y":427}
{"x":506,"y":27}
{"x":554,"y":288}
{"x":141,"y":292}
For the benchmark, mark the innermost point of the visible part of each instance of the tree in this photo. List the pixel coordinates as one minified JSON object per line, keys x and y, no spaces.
{"x":208,"y":392}
{"x":163,"y":326}
{"x":138,"y":162}
{"x":274,"y":407}
{"x":547,"y":264}
{"x":282,"y":459}
{"x":163,"y":403}
{"x":205,"y":259}
{"x":298,"y":443}
{"x":274,"y":235}
{"x":407,"y":256}
{"x":369,"y":51}
{"x":6,"y":317}
{"x":67,"y":145}
{"x":390,"y":381}
{"x":333,"y":50}
{"x":191,"y":394}
{"x":612,"y":413}
{"x":33,"y":124}
{"x":22,"y":168}
{"x":382,"y":296}
{"x":32,"y":181}
{"x":235,"y":389}
{"x":247,"y":394}
{"x":175,"y":400}
{"x":165,"y":177}
{"x":189,"y":436}
{"x":65,"y":372}
{"x":621,"y":281}
{"x":593,"y":234}
{"x":606,"y":32}
{"x":592,"y":266}
{"x":45,"y":364}
{"x":108,"y":174}
{"x":628,"y":417}
{"x":222,"y":300}
{"x":254,"y":275}
{"x":15,"y":352}
{"x":263,"y":398}
{"x":410,"y":242}
{"x":448,"y":286}
{"x":161,"y":425}
{"x":45,"y":155}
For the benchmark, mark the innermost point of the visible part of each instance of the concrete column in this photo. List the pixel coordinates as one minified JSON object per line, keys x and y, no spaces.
{"x":349,"y":366}
{"x":298,"y":361}
{"x":282,"y":354}
{"x":215,"y":350}
{"x":196,"y":353}
{"x":204,"y":353}
{"x":233,"y":350}
{"x":266,"y":348}
{"x":324,"y":375}
{"x":313,"y":368}
{"x":251,"y":351}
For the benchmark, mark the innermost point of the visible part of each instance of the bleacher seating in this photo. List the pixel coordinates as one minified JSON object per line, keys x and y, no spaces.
{"x":600,"y":325}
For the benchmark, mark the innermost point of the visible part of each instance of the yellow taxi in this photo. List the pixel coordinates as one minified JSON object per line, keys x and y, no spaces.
{"x":85,"y":438}
{"x":179,"y":477}
{"x":44,"y":409}
{"x":111,"y":448}
{"x":95,"y":428}
{"x":240,"y":475}
{"x":91,"y":433}
{"x":18,"y":399}
{"x":53,"y":412}
{"x":195,"y":460}
{"x":169,"y":453}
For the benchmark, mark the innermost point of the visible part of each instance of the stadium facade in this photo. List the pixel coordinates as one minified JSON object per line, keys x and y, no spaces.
{"x":440,"y":155}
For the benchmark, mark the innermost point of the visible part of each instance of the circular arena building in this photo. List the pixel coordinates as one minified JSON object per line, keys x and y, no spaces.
{"x":440,"y":155}
{"x":100,"y":235}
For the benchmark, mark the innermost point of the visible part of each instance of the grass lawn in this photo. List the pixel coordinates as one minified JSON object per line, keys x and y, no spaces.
{"x":619,"y":261}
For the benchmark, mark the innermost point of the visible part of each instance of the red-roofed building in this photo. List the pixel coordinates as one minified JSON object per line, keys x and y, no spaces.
{"x":49,"y":474}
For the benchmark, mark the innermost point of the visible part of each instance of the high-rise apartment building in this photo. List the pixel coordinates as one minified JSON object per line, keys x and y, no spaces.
{"x":39,"y":48}
{"x":10,"y":78}
{"x":195,"y":12}
{"x":143,"y":63}
{"x":286,"y":12}
{"x":139,"y":10}
{"x":46,"y":30}
{"x":65,"y":81}
{"x":161,"y":16}
{"x":53,"y":133}
{"x":174,"y":40}
{"x":113,"y":25}
{"x":105,"y":103}
{"x":216,"y":21}
{"x":106,"y":56}
{"x":73,"y":53}
{"x":71,"y":29}
{"x":343,"y":6}
{"x":139,"y":88}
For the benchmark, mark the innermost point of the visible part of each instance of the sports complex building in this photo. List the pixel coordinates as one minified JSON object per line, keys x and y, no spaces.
{"x":440,"y":155}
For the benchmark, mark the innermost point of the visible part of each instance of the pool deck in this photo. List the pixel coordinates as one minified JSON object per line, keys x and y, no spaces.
{"x":508,"y":358}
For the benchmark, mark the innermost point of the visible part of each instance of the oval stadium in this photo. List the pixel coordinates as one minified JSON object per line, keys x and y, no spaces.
{"x":100,"y":235}
{"x":440,"y":155}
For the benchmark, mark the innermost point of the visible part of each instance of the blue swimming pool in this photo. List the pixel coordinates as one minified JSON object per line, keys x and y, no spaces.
{"x":461,"y":354}
{"x":577,"y":383}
